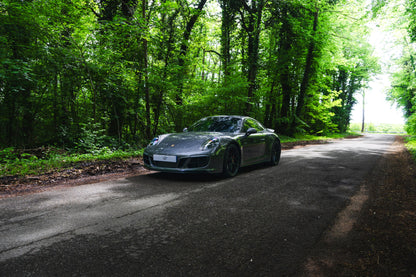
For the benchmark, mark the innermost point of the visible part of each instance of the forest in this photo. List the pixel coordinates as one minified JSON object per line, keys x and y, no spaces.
{"x":115,"y":73}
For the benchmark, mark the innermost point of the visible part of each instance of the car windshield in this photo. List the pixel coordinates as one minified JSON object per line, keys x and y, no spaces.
{"x":217,"y":124}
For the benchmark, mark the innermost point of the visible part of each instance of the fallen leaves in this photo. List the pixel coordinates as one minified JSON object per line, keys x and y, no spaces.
{"x":80,"y":173}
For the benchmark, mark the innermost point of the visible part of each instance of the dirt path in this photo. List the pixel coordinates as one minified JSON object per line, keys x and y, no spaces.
{"x":376,"y":234}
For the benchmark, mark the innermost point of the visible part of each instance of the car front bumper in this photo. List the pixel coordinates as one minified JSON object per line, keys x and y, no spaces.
{"x":186,"y":163}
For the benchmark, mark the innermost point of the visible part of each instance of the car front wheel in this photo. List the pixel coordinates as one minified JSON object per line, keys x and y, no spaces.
{"x":231,"y":161}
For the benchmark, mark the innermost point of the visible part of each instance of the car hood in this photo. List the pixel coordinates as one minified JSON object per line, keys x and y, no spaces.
{"x":183,"y":143}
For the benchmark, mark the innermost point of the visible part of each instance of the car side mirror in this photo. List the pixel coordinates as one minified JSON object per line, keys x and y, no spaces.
{"x":251,"y":131}
{"x":185,"y":130}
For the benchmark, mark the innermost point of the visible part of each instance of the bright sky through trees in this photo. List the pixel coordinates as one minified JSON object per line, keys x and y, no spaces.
{"x":377,"y":108}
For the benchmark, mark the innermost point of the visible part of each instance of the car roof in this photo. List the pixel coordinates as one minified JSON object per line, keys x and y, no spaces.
{"x":232,"y":116}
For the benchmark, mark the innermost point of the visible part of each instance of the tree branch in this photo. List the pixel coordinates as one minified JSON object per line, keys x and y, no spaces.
{"x":246,"y":7}
{"x":213,"y":51}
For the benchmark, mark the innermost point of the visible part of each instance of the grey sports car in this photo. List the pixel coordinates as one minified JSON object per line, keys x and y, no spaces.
{"x":215,"y":144}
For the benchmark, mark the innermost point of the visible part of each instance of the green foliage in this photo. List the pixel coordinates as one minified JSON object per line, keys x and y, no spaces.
{"x":403,"y":78}
{"x":8,"y":155}
{"x":376,"y":6}
{"x":411,"y":10}
{"x":411,"y":145}
{"x":97,"y":76}
{"x":321,"y":113}
{"x":411,"y":124}
{"x":93,"y":140}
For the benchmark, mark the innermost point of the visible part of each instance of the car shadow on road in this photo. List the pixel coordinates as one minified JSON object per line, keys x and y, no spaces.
{"x":182,"y":177}
{"x":198,"y":177}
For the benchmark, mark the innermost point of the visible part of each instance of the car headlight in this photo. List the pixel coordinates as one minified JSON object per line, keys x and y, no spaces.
{"x":154,"y":141}
{"x":210,"y":144}
{"x":157,"y":140}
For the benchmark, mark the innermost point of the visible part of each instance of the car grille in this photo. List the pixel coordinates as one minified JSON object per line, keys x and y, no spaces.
{"x":165,"y":164}
{"x":190,"y":162}
{"x":198,"y":162}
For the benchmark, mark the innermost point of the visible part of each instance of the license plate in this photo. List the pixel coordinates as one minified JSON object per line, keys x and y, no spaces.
{"x":164,"y":158}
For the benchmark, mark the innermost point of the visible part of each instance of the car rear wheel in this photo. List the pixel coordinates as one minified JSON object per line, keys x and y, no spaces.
{"x":275,"y":153}
{"x":231,"y":161}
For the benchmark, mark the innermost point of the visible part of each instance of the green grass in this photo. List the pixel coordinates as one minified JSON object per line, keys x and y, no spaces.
{"x":303,"y":137}
{"x":384,"y":128}
{"x":27,"y":164}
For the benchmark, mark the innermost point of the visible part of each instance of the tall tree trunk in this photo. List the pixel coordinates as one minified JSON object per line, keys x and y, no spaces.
{"x":167,"y":60}
{"x":308,"y":66}
{"x":284,"y":58}
{"x":363,"y":119}
{"x":146,"y":75}
{"x":227,"y":22}
{"x":253,"y":33}
{"x":181,"y":62}
{"x":349,"y":104}
{"x":270,"y":110}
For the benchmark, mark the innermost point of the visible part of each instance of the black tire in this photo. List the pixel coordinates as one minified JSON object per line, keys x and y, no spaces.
{"x":275,"y":153}
{"x":231,"y":162}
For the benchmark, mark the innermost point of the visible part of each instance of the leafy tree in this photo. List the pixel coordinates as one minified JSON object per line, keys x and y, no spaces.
{"x":126,"y":70}
{"x":403,"y":79}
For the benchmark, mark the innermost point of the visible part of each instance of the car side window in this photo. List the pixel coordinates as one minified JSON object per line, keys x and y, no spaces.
{"x":251,"y":123}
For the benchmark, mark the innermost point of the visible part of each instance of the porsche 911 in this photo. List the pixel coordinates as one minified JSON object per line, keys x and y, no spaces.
{"x":215,"y":144}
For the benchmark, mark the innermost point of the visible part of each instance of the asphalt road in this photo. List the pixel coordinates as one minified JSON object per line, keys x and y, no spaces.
{"x":263,"y":222}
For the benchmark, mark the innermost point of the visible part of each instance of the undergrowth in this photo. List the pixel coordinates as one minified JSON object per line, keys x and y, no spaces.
{"x":12,"y":162}
{"x":411,"y":145}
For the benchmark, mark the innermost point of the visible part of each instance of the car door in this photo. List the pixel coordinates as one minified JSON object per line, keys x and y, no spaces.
{"x":254,"y":144}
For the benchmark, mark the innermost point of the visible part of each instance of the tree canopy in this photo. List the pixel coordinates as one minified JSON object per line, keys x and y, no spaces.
{"x":121,"y":71}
